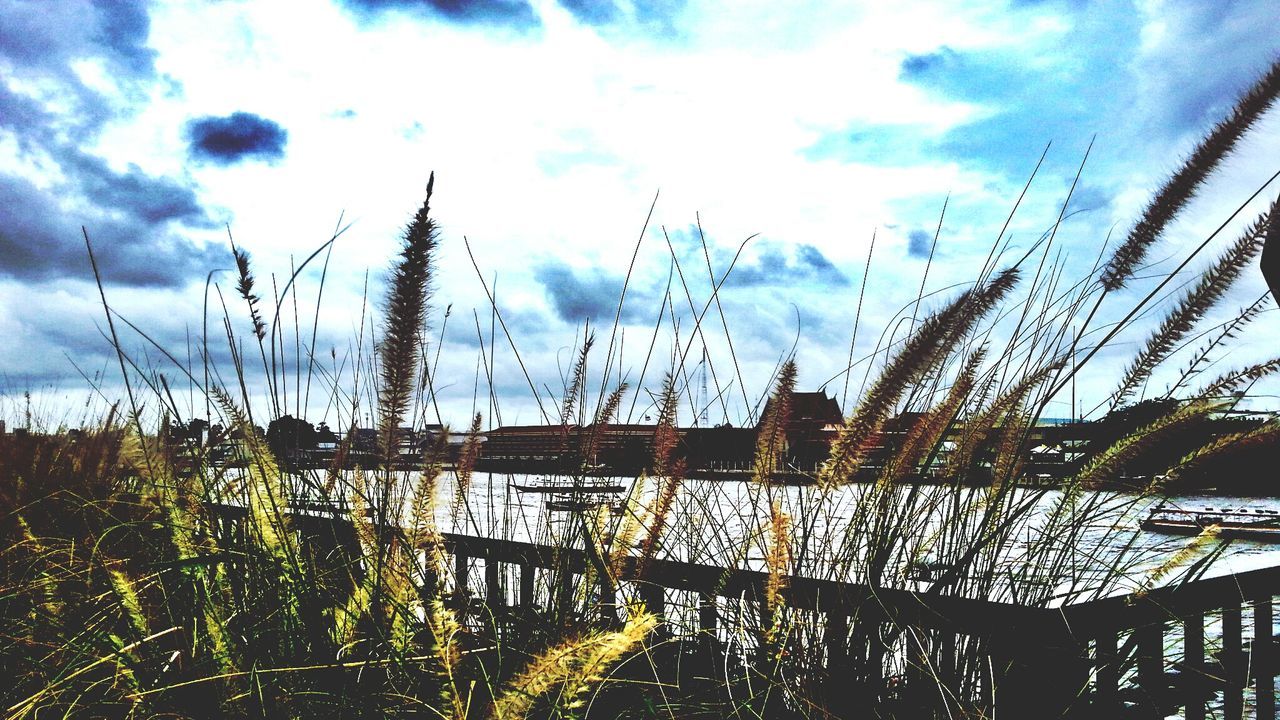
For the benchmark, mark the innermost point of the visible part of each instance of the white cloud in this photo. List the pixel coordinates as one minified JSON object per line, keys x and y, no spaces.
{"x":553,"y":143}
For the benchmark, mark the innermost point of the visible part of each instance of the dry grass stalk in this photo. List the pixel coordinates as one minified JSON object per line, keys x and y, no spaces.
{"x":569,"y":669}
{"x":266,"y":496}
{"x":920,"y":354}
{"x":996,"y":415}
{"x":445,"y":628}
{"x":633,"y":519}
{"x":467,"y":458}
{"x":1213,"y":284}
{"x":922,"y":439}
{"x":1183,"y":185}
{"x":403,"y":326}
{"x":1185,"y":554}
{"x":771,"y":437}
{"x":576,"y":385}
{"x":1228,"y":382}
{"x":1229,"y":331}
{"x":244,"y":286}
{"x":1107,"y":465}
{"x":1220,"y":447}
{"x":668,"y":473}
{"x":777,"y":560}
{"x":403,"y":575}
{"x":604,"y":416}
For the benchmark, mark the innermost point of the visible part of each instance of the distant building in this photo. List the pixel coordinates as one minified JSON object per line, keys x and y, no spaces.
{"x":811,"y":425}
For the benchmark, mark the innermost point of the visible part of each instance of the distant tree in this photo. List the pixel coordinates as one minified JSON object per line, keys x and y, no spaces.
{"x":286,"y":435}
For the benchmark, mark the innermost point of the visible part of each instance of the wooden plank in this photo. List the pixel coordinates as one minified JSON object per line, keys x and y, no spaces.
{"x":1262,"y":661}
{"x":1233,"y":665}
{"x":1193,"y":664}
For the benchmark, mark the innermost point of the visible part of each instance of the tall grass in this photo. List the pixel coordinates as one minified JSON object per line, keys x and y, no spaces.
{"x":144,"y":573}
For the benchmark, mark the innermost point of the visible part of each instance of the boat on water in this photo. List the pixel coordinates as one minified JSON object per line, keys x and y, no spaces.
{"x":578,"y":505}
{"x":580,"y":494}
{"x":1247,"y":523}
{"x":568,"y":485}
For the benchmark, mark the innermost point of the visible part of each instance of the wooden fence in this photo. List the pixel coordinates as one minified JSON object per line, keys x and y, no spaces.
{"x":1203,"y":646}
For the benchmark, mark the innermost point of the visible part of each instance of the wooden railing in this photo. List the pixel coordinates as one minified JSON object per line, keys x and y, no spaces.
{"x":1123,"y":656}
{"x":1138,"y":655}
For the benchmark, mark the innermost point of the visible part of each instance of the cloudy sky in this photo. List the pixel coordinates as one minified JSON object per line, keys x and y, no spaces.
{"x":552,"y":126}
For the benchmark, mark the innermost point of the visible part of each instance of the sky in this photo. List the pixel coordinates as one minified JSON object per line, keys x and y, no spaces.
{"x":566,"y":136}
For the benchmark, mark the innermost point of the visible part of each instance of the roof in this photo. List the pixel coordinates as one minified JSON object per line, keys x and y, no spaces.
{"x":810,"y":408}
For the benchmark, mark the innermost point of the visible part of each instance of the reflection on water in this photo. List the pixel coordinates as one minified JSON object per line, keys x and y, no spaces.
{"x":1095,"y":542}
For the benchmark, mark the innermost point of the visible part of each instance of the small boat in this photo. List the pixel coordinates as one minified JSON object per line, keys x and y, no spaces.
{"x":561,"y":487}
{"x":571,"y":504}
{"x":1246,"y":523}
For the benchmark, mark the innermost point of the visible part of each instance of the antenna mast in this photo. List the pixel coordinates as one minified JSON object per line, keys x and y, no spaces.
{"x":703,"y":401}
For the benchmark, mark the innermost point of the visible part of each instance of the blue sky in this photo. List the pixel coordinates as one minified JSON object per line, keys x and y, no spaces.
{"x":551,"y":126}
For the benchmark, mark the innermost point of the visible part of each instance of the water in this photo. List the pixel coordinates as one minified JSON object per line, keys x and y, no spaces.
{"x":719,"y":522}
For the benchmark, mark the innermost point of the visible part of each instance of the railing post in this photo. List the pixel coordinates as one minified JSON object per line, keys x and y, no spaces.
{"x":1151,"y":661}
{"x":917,"y":662}
{"x":493,"y":594}
{"x":1040,"y":671}
{"x":837,"y":641}
{"x":527,"y":571}
{"x":608,"y":602}
{"x":946,"y":652}
{"x":875,"y":650}
{"x":461,"y":571}
{"x":1107,"y":665}
{"x":1193,"y":673}
{"x":1233,"y":665}
{"x":655,"y":602}
{"x":707,"y":614}
{"x":1263,"y":678}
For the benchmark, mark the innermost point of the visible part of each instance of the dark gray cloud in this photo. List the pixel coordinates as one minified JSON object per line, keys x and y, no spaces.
{"x":659,"y":16}
{"x":1088,"y":198}
{"x":656,"y":18}
{"x":527,"y":325}
{"x":919,"y":242}
{"x":236,"y":137}
{"x":1208,"y":54}
{"x":592,"y":12}
{"x":511,"y":13}
{"x":39,"y":240}
{"x":40,"y":36}
{"x":773,"y":267}
{"x":915,"y":66}
{"x":135,"y":219}
{"x":592,"y":295}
